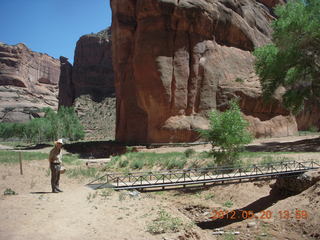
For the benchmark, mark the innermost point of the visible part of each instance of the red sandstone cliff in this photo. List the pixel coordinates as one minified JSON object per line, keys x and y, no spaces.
{"x":92,"y":72}
{"x":28,"y":82}
{"x":88,"y":85}
{"x":175,"y":60}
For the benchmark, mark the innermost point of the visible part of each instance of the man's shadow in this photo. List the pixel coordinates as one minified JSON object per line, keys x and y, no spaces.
{"x":40,"y":192}
{"x":238,"y":214}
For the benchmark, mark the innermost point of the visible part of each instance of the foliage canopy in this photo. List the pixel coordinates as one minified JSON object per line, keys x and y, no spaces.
{"x":63,"y":124}
{"x":293,"y":60}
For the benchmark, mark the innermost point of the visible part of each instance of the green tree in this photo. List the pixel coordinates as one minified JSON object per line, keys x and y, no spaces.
{"x":293,"y":60}
{"x":63,"y":124}
{"x":227,"y":134}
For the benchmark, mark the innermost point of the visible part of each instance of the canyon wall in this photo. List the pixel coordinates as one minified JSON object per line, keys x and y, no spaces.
{"x":28,"y":82}
{"x":175,"y":60}
{"x":88,"y":85}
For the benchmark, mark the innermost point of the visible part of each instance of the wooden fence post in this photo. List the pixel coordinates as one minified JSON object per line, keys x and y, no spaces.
{"x":20,"y":161}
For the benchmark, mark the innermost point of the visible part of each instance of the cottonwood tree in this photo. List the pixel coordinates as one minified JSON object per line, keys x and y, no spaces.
{"x":293,"y":60}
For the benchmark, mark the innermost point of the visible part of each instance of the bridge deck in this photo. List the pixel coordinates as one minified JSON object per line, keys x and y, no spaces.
{"x":203,"y":176}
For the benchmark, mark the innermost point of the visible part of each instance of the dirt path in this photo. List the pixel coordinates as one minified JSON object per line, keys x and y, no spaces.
{"x":77,"y":213}
{"x":5,"y":147}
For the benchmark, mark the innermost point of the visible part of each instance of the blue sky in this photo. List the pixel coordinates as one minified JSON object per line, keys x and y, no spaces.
{"x":52,"y":26}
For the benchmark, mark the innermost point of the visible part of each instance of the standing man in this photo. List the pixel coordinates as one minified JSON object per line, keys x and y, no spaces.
{"x":55,"y":159}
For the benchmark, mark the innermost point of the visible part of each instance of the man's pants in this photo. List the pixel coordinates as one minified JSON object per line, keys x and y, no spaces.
{"x":55,"y":175}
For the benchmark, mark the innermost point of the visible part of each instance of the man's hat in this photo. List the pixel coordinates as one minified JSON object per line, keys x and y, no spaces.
{"x":59,"y":141}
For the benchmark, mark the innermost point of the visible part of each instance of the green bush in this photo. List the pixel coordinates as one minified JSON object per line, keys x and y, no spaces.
{"x":9,"y":191}
{"x":63,"y":124}
{"x":227,"y":134}
{"x":313,"y":128}
{"x":123,"y":163}
{"x":137,"y":164}
{"x":240,"y":80}
{"x":228,"y":204}
{"x":189,"y":152}
{"x":175,"y":163}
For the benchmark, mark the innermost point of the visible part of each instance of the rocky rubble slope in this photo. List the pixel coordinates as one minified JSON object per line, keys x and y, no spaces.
{"x":28,"y":82}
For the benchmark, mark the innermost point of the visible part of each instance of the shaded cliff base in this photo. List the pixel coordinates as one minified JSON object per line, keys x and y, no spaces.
{"x":106,"y":149}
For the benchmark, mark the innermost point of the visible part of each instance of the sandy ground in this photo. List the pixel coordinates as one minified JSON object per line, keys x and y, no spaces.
{"x":77,"y":213}
{"x":83,"y":213}
{"x":256,"y":142}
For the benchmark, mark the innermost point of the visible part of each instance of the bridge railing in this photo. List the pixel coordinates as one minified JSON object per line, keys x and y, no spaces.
{"x":180,"y":176}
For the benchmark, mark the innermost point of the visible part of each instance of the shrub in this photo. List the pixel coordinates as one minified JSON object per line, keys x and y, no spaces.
{"x":313,"y":128}
{"x":227,"y":134}
{"x":189,"y":152}
{"x":240,"y":80}
{"x":164,"y":223}
{"x":123,"y":163}
{"x":209,"y":196}
{"x":228,"y":204}
{"x":9,"y":191}
{"x":137,"y":164}
{"x":175,"y":163}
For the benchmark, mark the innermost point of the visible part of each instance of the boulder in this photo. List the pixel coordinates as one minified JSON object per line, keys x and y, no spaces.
{"x":296,"y":185}
{"x":175,"y":60}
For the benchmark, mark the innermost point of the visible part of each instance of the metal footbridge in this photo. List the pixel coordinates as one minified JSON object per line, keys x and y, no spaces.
{"x":180,"y":178}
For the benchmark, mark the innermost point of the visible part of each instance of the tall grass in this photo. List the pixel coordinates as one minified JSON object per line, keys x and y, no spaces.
{"x":13,"y":157}
{"x":82,"y":172}
{"x":178,"y":160}
{"x":139,"y":160}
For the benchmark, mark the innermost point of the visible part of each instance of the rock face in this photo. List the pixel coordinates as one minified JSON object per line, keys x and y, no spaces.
{"x":28,"y":82}
{"x":295,"y":185}
{"x":92,"y":72}
{"x":175,"y":60}
{"x":66,"y":88}
{"x":309,"y":117}
{"x":88,"y":85}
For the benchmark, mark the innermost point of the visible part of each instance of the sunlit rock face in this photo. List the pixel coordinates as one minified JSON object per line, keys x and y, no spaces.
{"x":28,"y":82}
{"x":175,"y":60}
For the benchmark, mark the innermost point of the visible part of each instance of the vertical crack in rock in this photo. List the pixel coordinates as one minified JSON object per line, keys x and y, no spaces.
{"x":190,"y":102}
{"x":200,"y":81}
{"x":173,"y":80}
